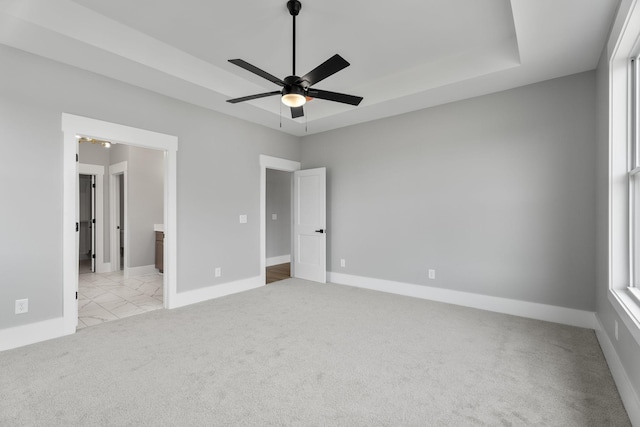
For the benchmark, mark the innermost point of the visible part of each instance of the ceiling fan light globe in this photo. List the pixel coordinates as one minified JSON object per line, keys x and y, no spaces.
{"x":293,"y":100}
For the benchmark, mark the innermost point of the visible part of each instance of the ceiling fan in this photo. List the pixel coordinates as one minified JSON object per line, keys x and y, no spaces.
{"x":297,"y":90}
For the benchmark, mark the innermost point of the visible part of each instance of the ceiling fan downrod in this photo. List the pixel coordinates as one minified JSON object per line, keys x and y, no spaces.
{"x":294,"y":7}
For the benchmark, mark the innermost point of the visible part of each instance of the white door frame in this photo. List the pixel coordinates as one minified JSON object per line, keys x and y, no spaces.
{"x":268,"y":162}
{"x":114,"y":204}
{"x":73,"y":125}
{"x":98,"y":172}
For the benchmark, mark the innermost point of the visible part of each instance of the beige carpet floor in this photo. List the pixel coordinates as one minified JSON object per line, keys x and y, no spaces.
{"x":297,"y":353}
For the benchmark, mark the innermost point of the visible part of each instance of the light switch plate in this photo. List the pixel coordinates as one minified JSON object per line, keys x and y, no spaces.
{"x":274,"y":216}
{"x":243,"y":219}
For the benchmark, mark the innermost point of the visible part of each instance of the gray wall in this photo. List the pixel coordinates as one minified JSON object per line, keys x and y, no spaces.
{"x":495,"y":193}
{"x":278,"y":232}
{"x":218,"y":178}
{"x":145,"y":207}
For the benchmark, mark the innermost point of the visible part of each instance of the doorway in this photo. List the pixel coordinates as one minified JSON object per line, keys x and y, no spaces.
{"x":278,"y":225}
{"x":91,"y":226}
{"x":132,"y":285}
{"x":73,"y":126}
{"x":308,"y":242}
{"x":86,"y":202}
{"x":272,"y":165}
{"x":119,"y":214}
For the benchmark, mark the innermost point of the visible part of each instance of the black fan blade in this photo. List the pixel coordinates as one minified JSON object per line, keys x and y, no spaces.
{"x":324,"y":70}
{"x":255,"y":70}
{"x":297,"y":112}
{"x":250,"y":97}
{"x":334,"y":96}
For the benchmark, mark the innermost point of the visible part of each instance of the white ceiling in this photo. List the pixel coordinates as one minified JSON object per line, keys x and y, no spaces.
{"x":405,"y":54}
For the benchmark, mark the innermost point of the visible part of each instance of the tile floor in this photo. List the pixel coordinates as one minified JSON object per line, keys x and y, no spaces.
{"x":109,"y":296}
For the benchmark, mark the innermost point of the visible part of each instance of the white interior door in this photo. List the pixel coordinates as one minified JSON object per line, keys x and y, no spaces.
{"x":309,"y":225}
{"x":117,"y":225}
{"x":92,"y":224}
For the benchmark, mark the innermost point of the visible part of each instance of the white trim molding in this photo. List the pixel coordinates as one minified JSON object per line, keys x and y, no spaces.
{"x":211,"y":292}
{"x":276,"y":260}
{"x":628,"y":395}
{"x":532,"y":310}
{"x":627,"y":309}
{"x":142,"y":270}
{"x":32,"y":333}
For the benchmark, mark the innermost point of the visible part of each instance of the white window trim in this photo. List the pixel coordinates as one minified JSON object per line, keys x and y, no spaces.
{"x":623,"y":297}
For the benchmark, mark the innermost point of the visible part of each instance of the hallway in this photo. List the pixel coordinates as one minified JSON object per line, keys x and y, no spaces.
{"x":108,"y":296}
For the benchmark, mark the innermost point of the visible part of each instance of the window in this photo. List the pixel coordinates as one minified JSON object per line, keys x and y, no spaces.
{"x":634,"y":175}
{"x":624,"y":167}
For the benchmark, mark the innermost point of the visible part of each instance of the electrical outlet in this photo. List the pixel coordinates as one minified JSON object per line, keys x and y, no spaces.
{"x":616,"y":328}
{"x":343,"y":263}
{"x":218,"y":272}
{"x":274,"y":217}
{"x":22,"y":306}
{"x":243,"y":219}
{"x":432,"y":274}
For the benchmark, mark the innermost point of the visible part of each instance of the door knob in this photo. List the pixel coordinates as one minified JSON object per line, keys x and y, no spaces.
{"x":320,"y":231}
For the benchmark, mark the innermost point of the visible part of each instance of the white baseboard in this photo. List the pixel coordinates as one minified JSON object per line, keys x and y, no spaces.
{"x":625,"y":388}
{"x":104,"y":267}
{"x":142,"y":270}
{"x":48,"y":329}
{"x":203,"y":294}
{"x":549,"y":313}
{"x":19,"y":336}
{"x":278,"y":260}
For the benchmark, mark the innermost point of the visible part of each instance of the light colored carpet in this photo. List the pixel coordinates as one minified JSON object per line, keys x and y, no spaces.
{"x":296,"y":353}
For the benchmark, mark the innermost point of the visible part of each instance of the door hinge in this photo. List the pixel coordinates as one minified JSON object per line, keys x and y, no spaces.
{"x":93,"y":185}
{"x":77,"y":227}
{"x":93,"y":256}
{"x":93,"y":220}
{"x":77,"y":157}
{"x":76,"y":294}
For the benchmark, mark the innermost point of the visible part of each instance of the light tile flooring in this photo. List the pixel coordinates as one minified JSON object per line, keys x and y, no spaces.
{"x":109,"y":296}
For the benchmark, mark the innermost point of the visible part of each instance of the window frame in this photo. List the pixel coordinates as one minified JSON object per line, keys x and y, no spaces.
{"x":623,"y":51}
{"x":634,"y":176}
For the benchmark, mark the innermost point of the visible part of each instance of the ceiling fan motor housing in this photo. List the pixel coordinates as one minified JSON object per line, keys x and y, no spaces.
{"x":293,"y":89}
{"x":294,"y":7}
{"x":294,"y":81}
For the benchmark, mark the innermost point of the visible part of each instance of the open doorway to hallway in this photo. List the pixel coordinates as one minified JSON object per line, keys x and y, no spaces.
{"x":86,"y":206}
{"x":278,"y":225}
{"x":133,"y":207}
